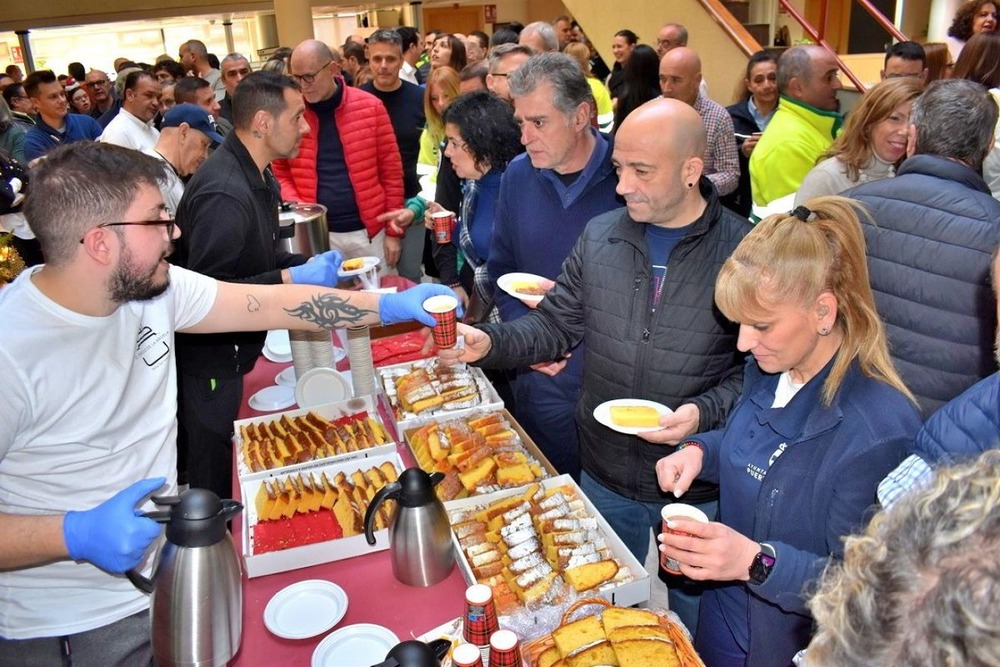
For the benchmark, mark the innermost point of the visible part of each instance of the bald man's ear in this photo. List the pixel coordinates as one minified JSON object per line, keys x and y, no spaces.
{"x":692,"y":170}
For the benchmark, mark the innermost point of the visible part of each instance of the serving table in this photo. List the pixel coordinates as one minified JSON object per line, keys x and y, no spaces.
{"x":373,"y":594}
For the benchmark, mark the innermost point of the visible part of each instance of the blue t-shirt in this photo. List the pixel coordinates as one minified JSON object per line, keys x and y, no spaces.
{"x":661,"y":242}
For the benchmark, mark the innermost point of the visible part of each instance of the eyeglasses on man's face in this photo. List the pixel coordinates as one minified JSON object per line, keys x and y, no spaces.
{"x":98,"y":82}
{"x":309,"y":78}
{"x":169,"y":223}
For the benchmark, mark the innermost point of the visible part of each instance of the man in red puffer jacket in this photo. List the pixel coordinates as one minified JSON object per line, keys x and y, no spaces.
{"x":349,"y":162}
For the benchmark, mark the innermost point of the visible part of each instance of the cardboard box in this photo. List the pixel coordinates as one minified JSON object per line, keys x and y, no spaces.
{"x":329,"y":411}
{"x":489,"y":399}
{"x":623,"y":595}
{"x":526,"y":442}
{"x":312,"y":554}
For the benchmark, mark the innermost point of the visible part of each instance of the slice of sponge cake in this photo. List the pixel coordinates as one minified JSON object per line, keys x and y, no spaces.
{"x":616,"y":617}
{"x":577,"y":634}
{"x":635,"y":415}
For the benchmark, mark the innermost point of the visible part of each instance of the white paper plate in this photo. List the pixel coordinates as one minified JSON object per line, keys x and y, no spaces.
{"x":508,"y":281}
{"x":359,"y":645}
{"x":369,"y":264}
{"x":305,"y":609}
{"x":273,"y":398}
{"x":286,"y":378}
{"x":602,"y":413}
{"x":277,"y":346}
{"x":320,"y":386}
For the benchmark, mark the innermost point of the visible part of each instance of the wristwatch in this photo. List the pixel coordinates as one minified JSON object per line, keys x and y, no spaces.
{"x":762,"y":564}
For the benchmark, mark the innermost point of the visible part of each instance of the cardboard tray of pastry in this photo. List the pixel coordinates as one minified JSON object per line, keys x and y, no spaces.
{"x":426,"y":388}
{"x":312,"y":516}
{"x":541,"y":544}
{"x":593,"y":632}
{"x":481,"y":452}
{"x":302,"y":439}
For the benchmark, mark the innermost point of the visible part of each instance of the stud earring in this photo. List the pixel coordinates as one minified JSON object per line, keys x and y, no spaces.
{"x":824,"y":332}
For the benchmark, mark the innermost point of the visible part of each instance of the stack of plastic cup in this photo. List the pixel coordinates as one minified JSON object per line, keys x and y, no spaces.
{"x":480,"y":620}
{"x":359,"y":350}
{"x":311,"y":349}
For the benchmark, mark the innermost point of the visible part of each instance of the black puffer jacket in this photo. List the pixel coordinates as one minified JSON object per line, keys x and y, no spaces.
{"x":929,"y":255}
{"x":686,"y":353}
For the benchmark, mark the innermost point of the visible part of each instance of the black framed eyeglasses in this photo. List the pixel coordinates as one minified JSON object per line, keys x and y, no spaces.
{"x":169,"y":223}
{"x":309,"y":78}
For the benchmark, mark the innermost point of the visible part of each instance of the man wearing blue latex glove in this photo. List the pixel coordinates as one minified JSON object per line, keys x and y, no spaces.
{"x":112,"y":536}
{"x":228,"y":219}
{"x":104,"y":310}
{"x":320,"y":270}
{"x":409,"y":304}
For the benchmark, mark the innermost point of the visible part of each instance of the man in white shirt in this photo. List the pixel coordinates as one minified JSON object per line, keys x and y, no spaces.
{"x":411,"y":53}
{"x":133,"y":126}
{"x":90,"y":397}
{"x":186,"y":134}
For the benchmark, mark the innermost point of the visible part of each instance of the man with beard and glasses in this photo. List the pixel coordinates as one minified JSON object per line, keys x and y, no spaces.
{"x":87,"y":420}
{"x":229,"y":219}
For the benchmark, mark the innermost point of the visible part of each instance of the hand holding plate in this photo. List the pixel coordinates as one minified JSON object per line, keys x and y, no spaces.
{"x":675,"y":426}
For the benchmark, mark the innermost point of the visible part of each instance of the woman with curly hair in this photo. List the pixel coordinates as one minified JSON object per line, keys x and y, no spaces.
{"x":872,"y":144}
{"x":972,"y":18}
{"x":641,"y":82}
{"x":481,"y":138}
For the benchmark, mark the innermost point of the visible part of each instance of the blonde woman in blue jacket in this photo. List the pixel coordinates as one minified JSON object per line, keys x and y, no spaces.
{"x":822,"y":418}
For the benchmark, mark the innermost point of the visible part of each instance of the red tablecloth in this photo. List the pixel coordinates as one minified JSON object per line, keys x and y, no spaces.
{"x":374,"y":595}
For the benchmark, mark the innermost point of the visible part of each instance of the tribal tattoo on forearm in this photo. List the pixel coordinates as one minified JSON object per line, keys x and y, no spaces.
{"x":330,"y":312}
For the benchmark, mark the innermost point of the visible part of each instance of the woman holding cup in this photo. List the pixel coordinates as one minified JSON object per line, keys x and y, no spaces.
{"x":481,"y":138}
{"x":822,"y":418}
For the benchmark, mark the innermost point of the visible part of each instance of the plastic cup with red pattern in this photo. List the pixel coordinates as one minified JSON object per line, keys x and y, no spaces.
{"x":480,"y":620}
{"x":444,"y":222}
{"x":444,"y":309}
{"x":505,"y":649}
{"x":677,"y":511}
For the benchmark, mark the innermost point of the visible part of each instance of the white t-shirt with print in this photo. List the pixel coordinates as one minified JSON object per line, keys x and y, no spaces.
{"x":88,"y":408}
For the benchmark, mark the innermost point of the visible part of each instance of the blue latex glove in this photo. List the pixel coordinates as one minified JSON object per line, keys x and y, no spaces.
{"x":408,"y":305}
{"x":320,"y":270}
{"x":111,"y":535}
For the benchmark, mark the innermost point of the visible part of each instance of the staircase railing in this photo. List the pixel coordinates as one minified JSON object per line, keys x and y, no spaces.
{"x":749,"y":45}
{"x":817,"y":36}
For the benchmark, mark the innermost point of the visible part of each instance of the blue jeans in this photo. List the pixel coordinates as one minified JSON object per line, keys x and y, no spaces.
{"x":634,"y":521}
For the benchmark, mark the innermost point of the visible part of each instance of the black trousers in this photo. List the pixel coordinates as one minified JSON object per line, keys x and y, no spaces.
{"x":124,"y":643}
{"x":206,"y":409}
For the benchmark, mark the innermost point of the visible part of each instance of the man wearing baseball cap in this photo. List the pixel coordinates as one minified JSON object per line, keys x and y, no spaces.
{"x":186,"y":134}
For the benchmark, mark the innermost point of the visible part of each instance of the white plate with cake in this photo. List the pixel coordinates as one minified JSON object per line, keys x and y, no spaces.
{"x":357,"y":266}
{"x":631,"y":415}
{"x":524,"y":286}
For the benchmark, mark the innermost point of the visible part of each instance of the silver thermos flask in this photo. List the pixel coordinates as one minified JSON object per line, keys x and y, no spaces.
{"x":419,"y":532}
{"x":196,"y":609}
